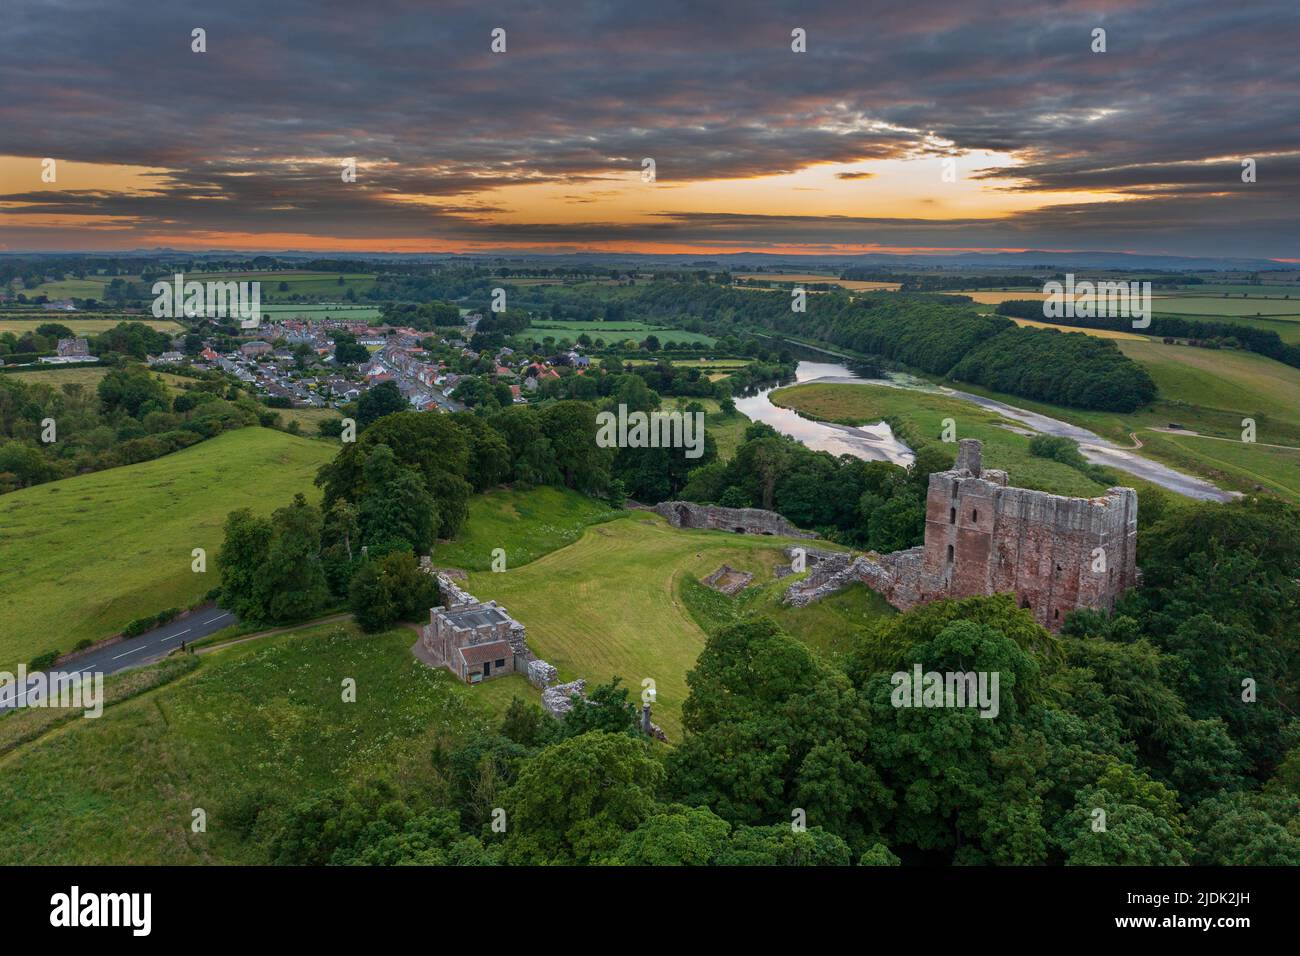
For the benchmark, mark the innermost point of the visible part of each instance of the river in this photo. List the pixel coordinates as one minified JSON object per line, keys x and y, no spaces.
{"x":877,"y":442}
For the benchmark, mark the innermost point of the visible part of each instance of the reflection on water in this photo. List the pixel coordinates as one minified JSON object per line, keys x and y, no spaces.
{"x":877,"y":442}
{"x":870,"y":442}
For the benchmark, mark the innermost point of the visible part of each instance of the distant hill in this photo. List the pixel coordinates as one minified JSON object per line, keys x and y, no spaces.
{"x":1099,"y":259}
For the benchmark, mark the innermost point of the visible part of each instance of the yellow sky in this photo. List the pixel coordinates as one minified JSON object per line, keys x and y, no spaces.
{"x":911,"y":188}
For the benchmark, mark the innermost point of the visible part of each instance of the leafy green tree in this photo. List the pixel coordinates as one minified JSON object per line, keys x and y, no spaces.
{"x":397,"y":512}
{"x":389,"y":589}
{"x":243,"y":555}
{"x":576,"y":800}
{"x":383,"y":399}
{"x":676,"y":836}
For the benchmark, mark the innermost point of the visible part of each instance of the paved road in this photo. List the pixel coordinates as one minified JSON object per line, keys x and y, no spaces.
{"x":131,"y":652}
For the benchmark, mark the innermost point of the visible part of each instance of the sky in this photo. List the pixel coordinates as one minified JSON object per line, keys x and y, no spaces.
{"x":919,"y":127}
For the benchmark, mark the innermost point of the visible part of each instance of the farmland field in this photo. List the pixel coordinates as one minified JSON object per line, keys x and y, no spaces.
{"x":609,"y":331}
{"x":1221,"y":305}
{"x":87,"y":376}
{"x":854,"y":285}
{"x":84,"y":326}
{"x":262,"y":719}
{"x":95,"y":551}
{"x":324,"y":310}
{"x":1099,"y":333}
{"x":91,"y":287}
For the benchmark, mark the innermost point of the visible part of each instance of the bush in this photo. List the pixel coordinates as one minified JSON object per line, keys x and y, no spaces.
{"x":138,"y":626}
{"x":82,"y":644}
{"x":41,"y":661}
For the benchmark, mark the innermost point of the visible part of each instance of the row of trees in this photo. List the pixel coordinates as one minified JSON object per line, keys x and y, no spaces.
{"x":1239,"y":334}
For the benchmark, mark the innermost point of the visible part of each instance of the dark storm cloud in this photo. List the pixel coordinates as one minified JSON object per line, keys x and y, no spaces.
{"x":251,"y":131}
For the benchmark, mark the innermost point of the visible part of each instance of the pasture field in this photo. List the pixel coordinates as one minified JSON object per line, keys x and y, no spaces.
{"x":525,"y":524}
{"x":610,"y":604}
{"x":922,"y":414}
{"x":1208,"y":391}
{"x":300,"y":282}
{"x":81,"y":557}
{"x":91,"y":287}
{"x":258,"y":723}
{"x":86,"y":376}
{"x":1265,"y":290}
{"x":855,"y":285}
{"x":84,"y":326}
{"x":1225,"y":305}
{"x":1224,"y":380}
{"x":562,"y":330}
{"x":1099,"y":333}
{"x":727,"y":432}
{"x":322,"y":310}
{"x":308,"y":419}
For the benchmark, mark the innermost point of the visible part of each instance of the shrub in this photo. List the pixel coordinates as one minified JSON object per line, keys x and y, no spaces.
{"x":41,"y":661}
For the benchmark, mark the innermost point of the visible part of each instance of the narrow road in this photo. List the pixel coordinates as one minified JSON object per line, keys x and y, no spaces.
{"x":131,"y":652}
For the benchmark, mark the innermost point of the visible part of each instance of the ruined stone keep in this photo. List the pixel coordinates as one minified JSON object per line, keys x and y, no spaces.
{"x":1054,"y":553}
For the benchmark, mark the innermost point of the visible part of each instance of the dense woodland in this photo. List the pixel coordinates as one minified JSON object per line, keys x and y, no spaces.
{"x":1139,"y":720}
{"x":1201,"y":332}
{"x":926,"y":332}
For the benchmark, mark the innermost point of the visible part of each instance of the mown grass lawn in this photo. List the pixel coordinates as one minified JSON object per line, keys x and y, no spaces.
{"x":81,"y":557}
{"x":610,"y":605}
{"x":259,"y":724}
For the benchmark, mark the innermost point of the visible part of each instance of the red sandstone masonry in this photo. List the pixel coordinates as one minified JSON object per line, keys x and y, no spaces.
{"x":983,"y":537}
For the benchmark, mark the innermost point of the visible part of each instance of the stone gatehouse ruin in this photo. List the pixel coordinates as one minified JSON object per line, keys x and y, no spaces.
{"x":1054,"y":553}
{"x":688,"y":514}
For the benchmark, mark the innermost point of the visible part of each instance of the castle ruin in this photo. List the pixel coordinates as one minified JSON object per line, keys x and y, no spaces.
{"x":1054,"y":553}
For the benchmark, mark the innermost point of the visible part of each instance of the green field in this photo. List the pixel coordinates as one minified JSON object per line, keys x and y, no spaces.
{"x":609,"y":331}
{"x":727,"y":431}
{"x":1239,"y":383}
{"x":81,"y":557}
{"x":91,"y":287}
{"x":1226,"y":305}
{"x":1208,"y":391}
{"x":525,"y":524}
{"x":325,"y":310}
{"x":300,"y":282}
{"x":922,"y":415}
{"x":260,"y":722}
{"x":83,"y":326}
{"x":610,"y":604}
{"x":86,"y":376}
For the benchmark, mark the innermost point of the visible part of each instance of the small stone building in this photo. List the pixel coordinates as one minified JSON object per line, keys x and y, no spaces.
{"x":474,"y":641}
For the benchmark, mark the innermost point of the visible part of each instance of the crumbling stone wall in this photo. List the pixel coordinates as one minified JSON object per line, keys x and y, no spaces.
{"x":688,"y":514}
